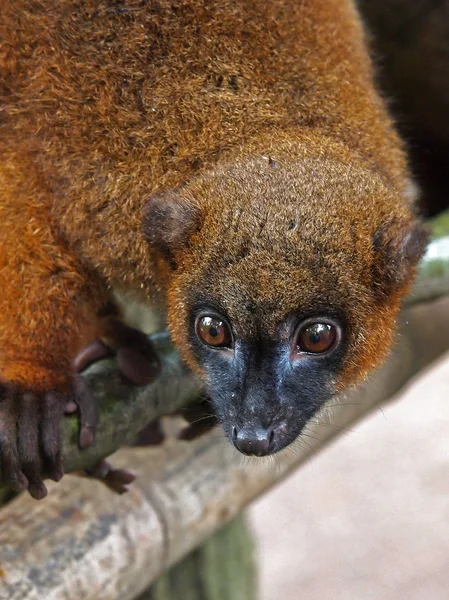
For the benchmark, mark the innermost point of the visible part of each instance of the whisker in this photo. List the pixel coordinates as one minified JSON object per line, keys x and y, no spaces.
{"x":382,"y":411}
{"x":309,"y":435}
{"x":332,"y":426}
{"x":346,"y":404}
{"x":297,"y":448}
{"x":201,"y":419}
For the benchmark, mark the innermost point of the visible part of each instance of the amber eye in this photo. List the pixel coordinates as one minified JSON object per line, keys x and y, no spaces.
{"x":213,"y":331}
{"x":316,"y":338}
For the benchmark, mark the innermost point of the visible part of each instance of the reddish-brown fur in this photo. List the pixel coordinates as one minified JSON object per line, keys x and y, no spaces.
{"x":104,"y":104}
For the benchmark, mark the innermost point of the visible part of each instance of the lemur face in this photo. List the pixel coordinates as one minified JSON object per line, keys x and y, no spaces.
{"x":265,"y":388}
{"x":283,"y":294}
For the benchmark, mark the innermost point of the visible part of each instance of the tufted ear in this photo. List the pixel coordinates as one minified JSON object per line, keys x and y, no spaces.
{"x":169,"y":222}
{"x":397,"y":250}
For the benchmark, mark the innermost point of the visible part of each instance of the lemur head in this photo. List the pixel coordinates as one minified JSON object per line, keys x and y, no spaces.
{"x":285,"y":279}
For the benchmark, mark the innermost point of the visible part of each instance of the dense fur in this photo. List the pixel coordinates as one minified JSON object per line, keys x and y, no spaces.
{"x":287,"y":181}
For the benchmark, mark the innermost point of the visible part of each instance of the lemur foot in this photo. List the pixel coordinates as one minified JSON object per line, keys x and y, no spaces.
{"x":118,"y":480}
{"x":200,"y":420}
{"x":135,"y":353}
{"x":30,"y":432}
{"x":138,"y":362}
{"x":151,"y":435}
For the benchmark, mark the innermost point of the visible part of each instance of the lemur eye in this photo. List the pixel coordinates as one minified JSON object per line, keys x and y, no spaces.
{"x":315,"y":337}
{"x":213,"y":331}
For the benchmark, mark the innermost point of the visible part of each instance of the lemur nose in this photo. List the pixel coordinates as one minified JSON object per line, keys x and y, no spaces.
{"x":255,"y":442}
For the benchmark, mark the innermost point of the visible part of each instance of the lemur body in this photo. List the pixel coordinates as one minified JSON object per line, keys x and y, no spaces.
{"x":273,"y":185}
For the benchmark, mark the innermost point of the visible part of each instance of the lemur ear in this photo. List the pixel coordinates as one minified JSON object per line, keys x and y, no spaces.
{"x":169,"y":222}
{"x":397,"y":249}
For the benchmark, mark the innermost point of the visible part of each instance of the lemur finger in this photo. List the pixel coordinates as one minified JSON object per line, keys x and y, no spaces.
{"x":11,"y":473}
{"x":94,"y":351}
{"x":117,"y":480}
{"x":88,"y":413}
{"x":53,"y":410}
{"x":28,"y":444}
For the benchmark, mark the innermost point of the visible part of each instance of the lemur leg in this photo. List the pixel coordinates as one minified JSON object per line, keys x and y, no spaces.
{"x":48,"y":307}
{"x":136,"y":356}
{"x":138,"y":362}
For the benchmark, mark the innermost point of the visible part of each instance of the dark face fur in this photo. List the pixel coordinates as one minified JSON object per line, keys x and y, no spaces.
{"x":266,"y":387}
{"x":282,"y":294}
